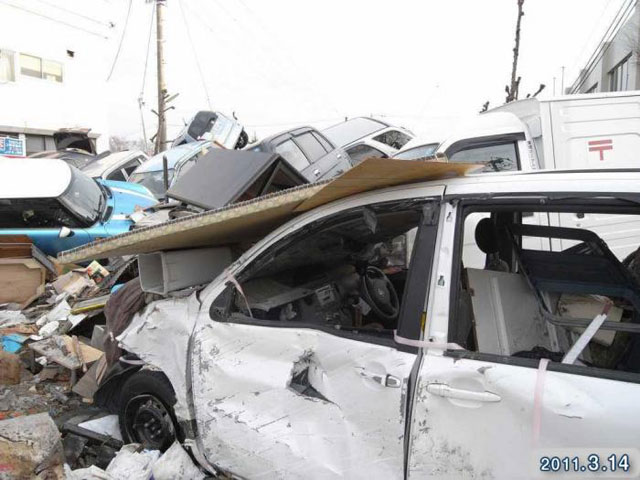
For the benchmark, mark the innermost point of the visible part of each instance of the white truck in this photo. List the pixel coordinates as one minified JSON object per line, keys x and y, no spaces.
{"x":575,"y":132}
{"x":571,"y":132}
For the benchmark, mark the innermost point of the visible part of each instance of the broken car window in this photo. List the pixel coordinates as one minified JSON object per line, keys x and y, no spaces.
{"x":531,"y":288}
{"x":393,"y":138}
{"x":346,"y":272}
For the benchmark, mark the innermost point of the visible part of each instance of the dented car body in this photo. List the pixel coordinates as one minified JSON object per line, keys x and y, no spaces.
{"x":352,"y":341}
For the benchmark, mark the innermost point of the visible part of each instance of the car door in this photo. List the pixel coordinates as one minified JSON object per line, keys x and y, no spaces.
{"x":292,"y":153}
{"x":480,"y":415}
{"x":273,"y":400}
{"x":327,"y":161}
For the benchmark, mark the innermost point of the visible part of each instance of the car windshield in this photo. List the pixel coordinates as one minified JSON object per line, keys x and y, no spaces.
{"x":152,"y":180}
{"x":352,"y":130}
{"x":83,"y":197}
{"x":417,"y":152}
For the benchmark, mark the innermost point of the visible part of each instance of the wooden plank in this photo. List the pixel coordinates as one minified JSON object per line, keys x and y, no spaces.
{"x":15,"y":246}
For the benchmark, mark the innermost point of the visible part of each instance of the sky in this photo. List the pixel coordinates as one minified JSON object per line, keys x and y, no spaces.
{"x":422,"y":64}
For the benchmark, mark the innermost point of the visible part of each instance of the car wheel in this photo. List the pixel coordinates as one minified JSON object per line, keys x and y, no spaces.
{"x":146,"y":410}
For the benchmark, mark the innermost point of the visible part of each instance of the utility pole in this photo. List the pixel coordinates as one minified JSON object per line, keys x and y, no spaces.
{"x":161,"y":136}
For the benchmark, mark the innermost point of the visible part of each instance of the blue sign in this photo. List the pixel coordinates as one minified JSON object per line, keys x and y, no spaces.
{"x":12,"y":146}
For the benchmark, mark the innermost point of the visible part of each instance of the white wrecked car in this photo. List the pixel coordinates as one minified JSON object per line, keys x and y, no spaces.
{"x":353,"y":341}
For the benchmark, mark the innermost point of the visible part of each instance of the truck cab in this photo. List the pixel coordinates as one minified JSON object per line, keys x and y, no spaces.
{"x":590,"y":131}
{"x":574,"y":132}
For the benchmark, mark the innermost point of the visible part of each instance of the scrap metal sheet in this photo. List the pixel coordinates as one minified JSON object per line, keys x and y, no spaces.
{"x":249,"y":221}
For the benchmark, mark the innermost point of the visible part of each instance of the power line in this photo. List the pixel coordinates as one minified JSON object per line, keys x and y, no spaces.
{"x":144,"y":75}
{"x":593,"y":31}
{"x":124,"y":31}
{"x":195,"y":55}
{"x":604,"y":43}
{"x":72,"y":12}
{"x":288,"y":56}
{"x":54,"y":19}
{"x":146,"y":57}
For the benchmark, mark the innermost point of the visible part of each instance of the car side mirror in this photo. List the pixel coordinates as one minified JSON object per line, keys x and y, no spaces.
{"x":66,"y":232}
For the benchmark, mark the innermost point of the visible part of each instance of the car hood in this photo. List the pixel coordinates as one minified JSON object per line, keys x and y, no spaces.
{"x":127,"y":196}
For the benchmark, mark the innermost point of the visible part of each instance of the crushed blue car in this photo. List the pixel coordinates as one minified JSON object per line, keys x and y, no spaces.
{"x":59,"y":207}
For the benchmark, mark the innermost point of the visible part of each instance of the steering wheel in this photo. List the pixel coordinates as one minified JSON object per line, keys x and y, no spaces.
{"x":380,"y":294}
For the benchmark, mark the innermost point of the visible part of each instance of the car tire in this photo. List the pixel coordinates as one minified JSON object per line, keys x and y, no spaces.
{"x":146,"y":412}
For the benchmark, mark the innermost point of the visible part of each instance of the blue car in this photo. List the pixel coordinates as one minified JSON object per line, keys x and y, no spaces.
{"x":59,"y":207}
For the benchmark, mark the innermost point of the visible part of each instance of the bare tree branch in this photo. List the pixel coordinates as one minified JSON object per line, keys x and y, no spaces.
{"x":512,"y":91}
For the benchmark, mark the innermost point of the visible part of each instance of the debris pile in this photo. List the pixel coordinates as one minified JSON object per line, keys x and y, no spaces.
{"x":33,"y":447}
{"x":51,"y":362}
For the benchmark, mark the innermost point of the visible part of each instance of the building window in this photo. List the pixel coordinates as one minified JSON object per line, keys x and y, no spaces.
{"x":52,"y":70}
{"x":38,"y":68}
{"x":7,"y":73}
{"x":593,"y":89}
{"x":619,"y":76}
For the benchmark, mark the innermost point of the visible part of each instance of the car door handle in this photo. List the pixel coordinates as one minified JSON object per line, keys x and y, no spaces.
{"x":444,"y":390}
{"x":316,"y":172}
{"x":385,"y":380}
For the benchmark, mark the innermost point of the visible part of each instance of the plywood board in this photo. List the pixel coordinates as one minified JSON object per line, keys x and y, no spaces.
{"x":240,"y":222}
{"x":251,"y":220}
{"x":376,"y":173}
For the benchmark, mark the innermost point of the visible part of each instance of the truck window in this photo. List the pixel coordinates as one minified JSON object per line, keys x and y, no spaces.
{"x":292,"y":154}
{"x":311,"y":146}
{"x":495,"y":158}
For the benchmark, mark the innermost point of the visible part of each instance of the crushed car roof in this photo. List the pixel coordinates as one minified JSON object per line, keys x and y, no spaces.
{"x":18,"y":179}
{"x":251,"y":220}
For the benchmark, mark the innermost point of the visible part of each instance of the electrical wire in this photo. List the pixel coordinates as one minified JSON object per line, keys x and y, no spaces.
{"x":289,"y":57}
{"x":591,"y":33}
{"x":86,"y":17}
{"x":195,"y":55}
{"x":62,"y":22}
{"x":144,"y":74}
{"x":604,"y":43}
{"x":124,"y":31}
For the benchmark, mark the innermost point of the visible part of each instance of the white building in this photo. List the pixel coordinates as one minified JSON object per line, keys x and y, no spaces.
{"x":53,"y":66}
{"x":613,"y":67}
